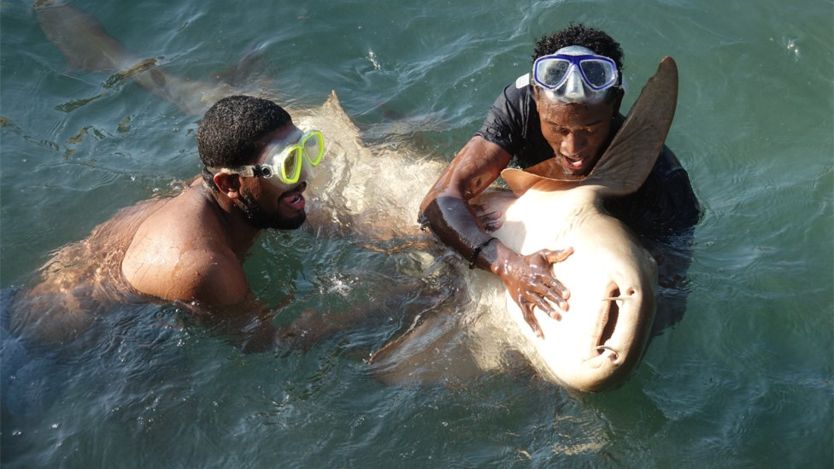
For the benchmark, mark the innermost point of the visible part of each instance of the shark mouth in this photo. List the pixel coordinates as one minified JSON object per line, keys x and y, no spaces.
{"x":607,"y":324}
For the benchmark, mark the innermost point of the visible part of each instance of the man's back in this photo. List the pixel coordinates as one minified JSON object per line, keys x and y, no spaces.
{"x":82,"y":279}
{"x":182,"y":252}
{"x":171,"y":248}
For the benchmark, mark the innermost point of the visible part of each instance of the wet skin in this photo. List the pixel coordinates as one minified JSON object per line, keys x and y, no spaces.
{"x":268,"y":202}
{"x":189,"y":248}
{"x":578,"y":135}
{"x":175,"y":256}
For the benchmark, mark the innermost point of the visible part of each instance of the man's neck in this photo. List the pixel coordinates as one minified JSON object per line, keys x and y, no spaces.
{"x":233,"y":223}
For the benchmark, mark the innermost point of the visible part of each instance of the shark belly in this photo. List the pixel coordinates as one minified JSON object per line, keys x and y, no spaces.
{"x":611,"y":280}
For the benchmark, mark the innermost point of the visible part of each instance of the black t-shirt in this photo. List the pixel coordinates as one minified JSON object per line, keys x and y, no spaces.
{"x":664,"y":204}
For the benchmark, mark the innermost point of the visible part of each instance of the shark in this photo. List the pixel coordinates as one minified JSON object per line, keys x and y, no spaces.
{"x":370,"y":192}
{"x":611,"y":277}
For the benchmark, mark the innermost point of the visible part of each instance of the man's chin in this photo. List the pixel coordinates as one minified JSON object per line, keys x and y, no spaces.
{"x":293,"y":223}
{"x":257,"y":217}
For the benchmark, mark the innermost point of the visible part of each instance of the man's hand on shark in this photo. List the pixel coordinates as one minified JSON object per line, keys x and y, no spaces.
{"x":529,"y":280}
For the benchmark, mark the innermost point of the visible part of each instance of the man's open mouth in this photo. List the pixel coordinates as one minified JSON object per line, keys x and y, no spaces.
{"x":294,"y":199}
{"x":574,"y":162}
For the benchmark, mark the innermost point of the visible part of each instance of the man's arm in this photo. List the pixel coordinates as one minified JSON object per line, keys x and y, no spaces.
{"x":446,"y":210}
{"x":446,"y":206}
{"x":222,"y":300}
{"x":681,"y":206}
{"x":209,"y":283}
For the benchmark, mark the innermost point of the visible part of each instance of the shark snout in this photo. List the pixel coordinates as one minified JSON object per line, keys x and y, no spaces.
{"x":618,"y":338}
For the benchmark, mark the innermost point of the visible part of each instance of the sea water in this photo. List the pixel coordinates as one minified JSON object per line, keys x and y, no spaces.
{"x":744,"y":379}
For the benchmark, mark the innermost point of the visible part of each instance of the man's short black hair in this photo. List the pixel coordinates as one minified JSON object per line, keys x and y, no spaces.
{"x":229,"y":134}
{"x":580,"y":35}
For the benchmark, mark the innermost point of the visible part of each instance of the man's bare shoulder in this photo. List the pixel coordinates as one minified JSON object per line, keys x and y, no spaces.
{"x":181,"y":253}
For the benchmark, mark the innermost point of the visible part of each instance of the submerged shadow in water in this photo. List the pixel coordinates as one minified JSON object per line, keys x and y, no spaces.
{"x":674,"y":256}
{"x":115,"y":364}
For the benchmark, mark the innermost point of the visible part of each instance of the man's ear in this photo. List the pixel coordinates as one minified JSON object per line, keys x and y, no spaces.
{"x":228,"y":184}
{"x":536,"y":93}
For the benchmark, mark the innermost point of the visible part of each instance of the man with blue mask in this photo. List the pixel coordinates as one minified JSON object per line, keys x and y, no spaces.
{"x":565,"y":110}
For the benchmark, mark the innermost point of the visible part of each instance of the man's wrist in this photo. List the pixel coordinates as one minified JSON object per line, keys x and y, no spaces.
{"x":473,"y":261}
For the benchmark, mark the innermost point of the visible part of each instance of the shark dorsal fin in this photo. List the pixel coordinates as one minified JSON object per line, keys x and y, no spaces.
{"x":630,"y":157}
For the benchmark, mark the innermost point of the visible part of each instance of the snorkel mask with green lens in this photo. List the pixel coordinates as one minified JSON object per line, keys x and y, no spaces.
{"x":284,"y":162}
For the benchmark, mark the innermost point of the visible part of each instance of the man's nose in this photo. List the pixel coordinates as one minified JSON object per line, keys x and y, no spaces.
{"x":305,"y":172}
{"x":572,"y":144}
{"x":574,"y":88}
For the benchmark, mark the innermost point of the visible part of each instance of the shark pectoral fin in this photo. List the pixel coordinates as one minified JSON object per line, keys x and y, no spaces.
{"x":630,"y":157}
{"x":518,"y":180}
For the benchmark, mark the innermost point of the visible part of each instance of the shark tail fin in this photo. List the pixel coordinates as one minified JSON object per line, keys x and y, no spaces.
{"x":81,"y":38}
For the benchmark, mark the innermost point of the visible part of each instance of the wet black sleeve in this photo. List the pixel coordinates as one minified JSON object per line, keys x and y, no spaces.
{"x":664,"y":206}
{"x":504,"y":125}
{"x":678,"y":206}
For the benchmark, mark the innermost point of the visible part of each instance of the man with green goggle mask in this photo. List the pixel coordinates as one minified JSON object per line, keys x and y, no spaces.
{"x":284,"y":160}
{"x":189,"y":248}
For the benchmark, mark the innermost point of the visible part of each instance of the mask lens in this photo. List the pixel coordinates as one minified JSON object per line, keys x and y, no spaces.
{"x":555,"y":72}
{"x":291,"y":166}
{"x":597,"y":73}
{"x":314,"y":147}
{"x":550,"y":72}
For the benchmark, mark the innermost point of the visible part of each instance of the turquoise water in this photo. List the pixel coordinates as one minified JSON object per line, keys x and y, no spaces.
{"x":745,"y":379}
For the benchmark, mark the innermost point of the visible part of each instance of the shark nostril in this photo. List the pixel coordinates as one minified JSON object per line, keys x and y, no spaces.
{"x":611,"y":353}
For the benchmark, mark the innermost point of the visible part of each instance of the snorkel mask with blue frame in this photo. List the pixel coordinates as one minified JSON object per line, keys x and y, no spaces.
{"x":575,"y":74}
